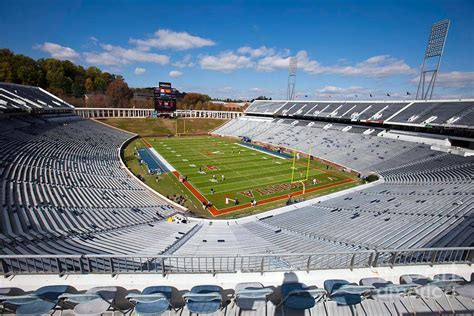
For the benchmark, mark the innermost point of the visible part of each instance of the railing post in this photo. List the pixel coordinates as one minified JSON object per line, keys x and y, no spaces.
{"x":261,"y":266}
{"x":308,"y":264}
{"x":376,"y":259}
{"x":81,"y":264}
{"x":352,"y":262}
{"x":392,"y":260}
{"x":58,"y":262}
{"x":213,"y":267}
{"x":4,"y":267}
{"x":112,"y":267}
{"x":163,"y":272}
{"x":433,"y":258}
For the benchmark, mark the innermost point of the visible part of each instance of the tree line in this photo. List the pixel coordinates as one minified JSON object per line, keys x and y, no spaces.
{"x":72,"y":82}
{"x":62,"y":78}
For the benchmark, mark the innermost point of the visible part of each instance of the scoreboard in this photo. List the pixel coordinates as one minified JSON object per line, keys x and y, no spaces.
{"x":165,"y":97}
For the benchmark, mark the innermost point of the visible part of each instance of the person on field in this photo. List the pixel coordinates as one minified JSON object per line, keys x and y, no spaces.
{"x":223,"y":177}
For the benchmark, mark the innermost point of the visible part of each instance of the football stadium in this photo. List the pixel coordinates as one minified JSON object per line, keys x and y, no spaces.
{"x":292,"y":205}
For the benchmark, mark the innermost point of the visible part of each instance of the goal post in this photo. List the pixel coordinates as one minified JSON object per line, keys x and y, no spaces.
{"x":177,"y":127}
{"x":307,"y":166}
{"x":293,"y":168}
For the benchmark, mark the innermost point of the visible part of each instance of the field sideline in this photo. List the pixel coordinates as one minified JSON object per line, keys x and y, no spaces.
{"x":219,"y":168}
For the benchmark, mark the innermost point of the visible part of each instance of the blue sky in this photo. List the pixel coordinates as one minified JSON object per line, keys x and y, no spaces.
{"x":241,"y":48}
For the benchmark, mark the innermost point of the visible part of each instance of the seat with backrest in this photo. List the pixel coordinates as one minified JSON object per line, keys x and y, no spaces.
{"x":203,"y":299}
{"x":415,"y":278}
{"x":466,"y":290}
{"x":251,"y":296}
{"x":94,"y":301}
{"x":346,"y":293}
{"x":42,"y":301}
{"x":298,"y":296}
{"x":153,"y":300}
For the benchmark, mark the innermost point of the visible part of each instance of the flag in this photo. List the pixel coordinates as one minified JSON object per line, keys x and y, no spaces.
{"x":356,"y":95}
{"x":388,"y":94}
{"x":371,"y":95}
{"x":408,"y":93}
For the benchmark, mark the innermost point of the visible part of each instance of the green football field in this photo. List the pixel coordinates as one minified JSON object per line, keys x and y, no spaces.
{"x":220,"y":168}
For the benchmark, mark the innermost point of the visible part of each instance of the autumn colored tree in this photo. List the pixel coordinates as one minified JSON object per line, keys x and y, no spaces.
{"x":196,"y":101}
{"x":118,"y":94}
{"x":60,"y":77}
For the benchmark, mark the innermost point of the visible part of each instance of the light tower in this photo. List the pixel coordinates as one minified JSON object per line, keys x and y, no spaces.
{"x":290,"y":92}
{"x":432,"y":60}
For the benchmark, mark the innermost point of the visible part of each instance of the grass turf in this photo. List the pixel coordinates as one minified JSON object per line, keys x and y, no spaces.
{"x":148,"y":127}
{"x":246,"y":171}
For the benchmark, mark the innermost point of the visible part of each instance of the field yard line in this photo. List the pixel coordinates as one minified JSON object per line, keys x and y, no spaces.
{"x":207,"y":158}
{"x":226,"y":164}
{"x":196,"y":193}
{"x":254,"y":187}
{"x":256,"y":182}
{"x":272,"y":174}
{"x":259,"y":150}
{"x":274,"y":170}
{"x":280,"y":197}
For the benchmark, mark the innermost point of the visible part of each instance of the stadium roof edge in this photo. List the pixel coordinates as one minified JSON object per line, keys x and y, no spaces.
{"x":370,"y":101}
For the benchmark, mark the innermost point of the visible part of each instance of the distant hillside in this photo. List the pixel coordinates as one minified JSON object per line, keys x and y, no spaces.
{"x":60,"y":77}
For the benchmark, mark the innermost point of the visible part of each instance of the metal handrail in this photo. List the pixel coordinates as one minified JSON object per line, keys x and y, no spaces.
{"x":167,"y":264}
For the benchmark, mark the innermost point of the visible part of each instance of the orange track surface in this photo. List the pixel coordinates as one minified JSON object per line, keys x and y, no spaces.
{"x":146,"y":143}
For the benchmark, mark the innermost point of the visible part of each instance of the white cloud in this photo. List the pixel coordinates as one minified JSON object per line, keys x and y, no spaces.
{"x":271,"y":63}
{"x":339,"y":90}
{"x":453,"y":79}
{"x":139,"y":71}
{"x":175,"y":73}
{"x":187,"y":61}
{"x":225,"y":62}
{"x":256,"y":52}
{"x":274,"y":62}
{"x":116,"y":55}
{"x":59,"y":52}
{"x":168,"y":39}
{"x":376,"y":66}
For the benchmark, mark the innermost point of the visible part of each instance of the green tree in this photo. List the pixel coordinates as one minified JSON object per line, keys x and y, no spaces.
{"x":89,"y":85}
{"x":100,"y":83}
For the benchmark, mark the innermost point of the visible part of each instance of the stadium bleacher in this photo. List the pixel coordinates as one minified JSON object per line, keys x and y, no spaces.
{"x":443,"y":113}
{"x":14,"y":97}
{"x":65,"y":191}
